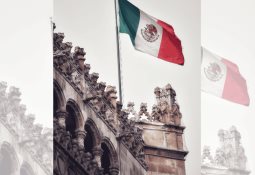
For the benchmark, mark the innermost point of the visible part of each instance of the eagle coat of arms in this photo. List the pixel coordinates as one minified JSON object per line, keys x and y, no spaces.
{"x":150,"y":33}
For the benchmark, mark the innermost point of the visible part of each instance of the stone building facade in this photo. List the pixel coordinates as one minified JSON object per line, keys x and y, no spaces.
{"x":25,"y":147}
{"x":229,"y":158}
{"x":95,"y":134}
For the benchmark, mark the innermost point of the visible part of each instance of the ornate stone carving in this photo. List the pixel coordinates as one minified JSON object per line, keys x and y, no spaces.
{"x":131,"y":136}
{"x":32,"y":137}
{"x":143,"y":113}
{"x":230,"y":154}
{"x":155,"y":114}
{"x":86,"y":72}
{"x":101,"y":99}
{"x":110,"y":95}
{"x":79,"y":57}
{"x":75,"y":148}
{"x":61,"y":116}
{"x":93,"y":79}
{"x":132,"y":114}
{"x":166,"y":109}
{"x":207,"y":158}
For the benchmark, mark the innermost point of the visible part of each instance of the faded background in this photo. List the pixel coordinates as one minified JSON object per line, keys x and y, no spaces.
{"x":228,"y":30}
{"x":91,"y":24}
{"x":26,"y":54}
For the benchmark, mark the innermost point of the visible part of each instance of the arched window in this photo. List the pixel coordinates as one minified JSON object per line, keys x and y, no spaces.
{"x":109,"y":159}
{"x":88,"y":141}
{"x":74,"y":119}
{"x":93,"y":138}
{"x":8,"y":159}
{"x":105,"y":159}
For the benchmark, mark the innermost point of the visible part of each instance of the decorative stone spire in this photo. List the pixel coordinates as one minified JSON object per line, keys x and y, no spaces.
{"x":166,"y":110}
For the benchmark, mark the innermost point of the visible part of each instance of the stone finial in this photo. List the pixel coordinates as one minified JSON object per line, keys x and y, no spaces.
{"x":111,"y":91}
{"x":130,"y":106}
{"x":168,"y":87}
{"x":110,"y":94}
{"x":143,"y":113}
{"x":143,"y":108}
{"x":132,"y":115}
{"x":86,"y":71}
{"x":157,"y":91}
{"x":3,"y":86}
{"x":235,"y":134}
{"x":221,"y":135}
{"x":94,"y":77}
{"x":101,"y":86}
{"x":59,"y":38}
{"x":14,"y":96}
{"x":67,"y":47}
{"x":28,"y":121}
{"x":79,"y":54}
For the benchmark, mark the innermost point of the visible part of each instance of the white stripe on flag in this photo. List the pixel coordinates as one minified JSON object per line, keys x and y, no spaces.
{"x":141,"y":43}
{"x":213,"y":74}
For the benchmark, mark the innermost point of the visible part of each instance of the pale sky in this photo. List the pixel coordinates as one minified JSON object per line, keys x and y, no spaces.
{"x":228,"y":30}
{"x":91,"y":24}
{"x":26,"y":54}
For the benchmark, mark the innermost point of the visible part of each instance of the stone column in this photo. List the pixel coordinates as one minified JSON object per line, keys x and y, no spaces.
{"x":97,"y":153}
{"x":61,"y":115}
{"x":80,"y":135}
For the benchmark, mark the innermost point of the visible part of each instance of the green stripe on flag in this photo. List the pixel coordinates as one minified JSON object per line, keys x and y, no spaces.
{"x":129,"y":19}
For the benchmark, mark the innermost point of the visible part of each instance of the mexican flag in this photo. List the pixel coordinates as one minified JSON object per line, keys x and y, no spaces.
{"x":150,"y":35}
{"x":222,"y":78}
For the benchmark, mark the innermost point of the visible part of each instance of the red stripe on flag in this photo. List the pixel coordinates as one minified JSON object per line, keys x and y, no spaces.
{"x":230,"y":65}
{"x":170,"y":47}
{"x":235,"y":88}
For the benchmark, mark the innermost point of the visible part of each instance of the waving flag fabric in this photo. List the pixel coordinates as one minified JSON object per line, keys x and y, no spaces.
{"x":150,"y":35}
{"x":222,"y":78}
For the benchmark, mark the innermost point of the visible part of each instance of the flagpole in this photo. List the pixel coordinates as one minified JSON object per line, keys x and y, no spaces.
{"x":118,"y":51}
